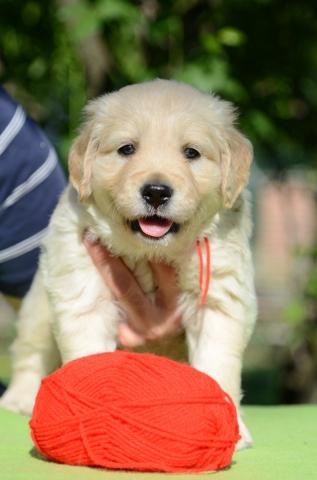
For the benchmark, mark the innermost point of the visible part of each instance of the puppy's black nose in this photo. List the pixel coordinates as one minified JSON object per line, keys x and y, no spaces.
{"x":156,"y":194}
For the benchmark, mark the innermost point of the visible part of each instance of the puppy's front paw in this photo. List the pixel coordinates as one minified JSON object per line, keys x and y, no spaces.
{"x":18,"y":405}
{"x":20,"y":396}
{"x":246,"y":439}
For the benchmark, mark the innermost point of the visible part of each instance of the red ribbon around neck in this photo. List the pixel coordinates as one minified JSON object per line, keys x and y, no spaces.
{"x":203,"y":289}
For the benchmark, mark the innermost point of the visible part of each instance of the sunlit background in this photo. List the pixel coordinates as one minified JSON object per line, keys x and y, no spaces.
{"x":259,"y":54}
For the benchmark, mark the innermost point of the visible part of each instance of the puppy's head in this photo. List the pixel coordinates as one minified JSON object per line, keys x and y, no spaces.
{"x":159,"y":159}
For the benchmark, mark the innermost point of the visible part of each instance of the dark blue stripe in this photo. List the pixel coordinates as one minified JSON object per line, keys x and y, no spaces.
{"x":16,"y":276}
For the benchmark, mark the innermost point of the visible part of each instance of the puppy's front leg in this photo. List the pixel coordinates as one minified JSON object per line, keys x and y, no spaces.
{"x":85,"y":314}
{"x":85,"y":331}
{"x":217,"y":349}
{"x":79,"y":334}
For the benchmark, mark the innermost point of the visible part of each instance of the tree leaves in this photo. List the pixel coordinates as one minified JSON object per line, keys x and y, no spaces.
{"x":261,"y":55}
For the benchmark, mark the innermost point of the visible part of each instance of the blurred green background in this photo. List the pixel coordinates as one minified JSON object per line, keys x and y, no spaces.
{"x":259,"y":54}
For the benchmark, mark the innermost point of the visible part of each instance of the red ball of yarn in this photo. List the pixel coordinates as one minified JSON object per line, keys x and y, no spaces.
{"x":136,"y":412}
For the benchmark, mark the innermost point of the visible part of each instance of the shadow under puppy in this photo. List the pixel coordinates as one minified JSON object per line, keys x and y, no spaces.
{"x":157,"y":166}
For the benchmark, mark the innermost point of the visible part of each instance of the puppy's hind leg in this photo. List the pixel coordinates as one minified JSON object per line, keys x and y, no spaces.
{"x":34,"y":352}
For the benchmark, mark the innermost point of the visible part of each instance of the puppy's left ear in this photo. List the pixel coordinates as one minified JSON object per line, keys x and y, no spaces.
{"x":236,"y":160}
{"x":81,"y":157}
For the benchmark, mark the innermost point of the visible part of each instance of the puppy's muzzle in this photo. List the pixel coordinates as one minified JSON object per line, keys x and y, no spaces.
{"x":156,"y":194}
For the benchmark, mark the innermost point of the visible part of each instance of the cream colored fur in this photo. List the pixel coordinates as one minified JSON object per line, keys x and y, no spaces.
{"x":69,"y":312}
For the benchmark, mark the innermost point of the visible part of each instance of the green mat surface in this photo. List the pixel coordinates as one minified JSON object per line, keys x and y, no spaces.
{"x":285,"y":447}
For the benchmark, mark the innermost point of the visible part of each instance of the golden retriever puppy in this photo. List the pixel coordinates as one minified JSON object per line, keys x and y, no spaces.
{"x":157,"y":166}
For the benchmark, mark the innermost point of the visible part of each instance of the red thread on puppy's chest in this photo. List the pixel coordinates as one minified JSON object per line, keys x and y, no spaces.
{"x":204,"y":289}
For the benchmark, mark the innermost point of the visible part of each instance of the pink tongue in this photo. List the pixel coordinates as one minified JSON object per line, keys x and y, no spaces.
{"x":154,"y":227}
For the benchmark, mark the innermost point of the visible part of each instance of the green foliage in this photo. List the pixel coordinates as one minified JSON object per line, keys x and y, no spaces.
{"x":260,"y":54}
{"x":295,"y":312}
{"x":301,"y":312}
{"x":90,"y":17}
{"x":301,"y":315}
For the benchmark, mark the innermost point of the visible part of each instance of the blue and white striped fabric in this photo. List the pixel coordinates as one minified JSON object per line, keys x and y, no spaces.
{"x":31,"y":182}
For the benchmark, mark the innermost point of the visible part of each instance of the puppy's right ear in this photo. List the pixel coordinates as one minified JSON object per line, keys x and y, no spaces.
{"x":81,"y":157}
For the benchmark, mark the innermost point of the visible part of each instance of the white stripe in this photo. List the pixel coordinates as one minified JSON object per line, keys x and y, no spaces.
{"x":12,"y":129}
{"x":33,"y":181}
{"x":22,"y":247}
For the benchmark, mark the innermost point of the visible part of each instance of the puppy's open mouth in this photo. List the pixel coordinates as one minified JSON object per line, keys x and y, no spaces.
{"x":154,"y":227}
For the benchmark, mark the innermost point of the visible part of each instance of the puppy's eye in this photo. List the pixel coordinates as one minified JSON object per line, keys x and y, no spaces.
{"x":126,"y":150}
{"x":191,"y":153}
